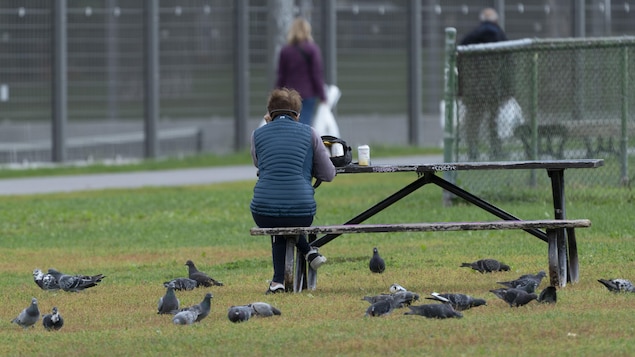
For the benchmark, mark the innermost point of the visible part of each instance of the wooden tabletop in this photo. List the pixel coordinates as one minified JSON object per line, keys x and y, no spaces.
{"x":460,"y":166}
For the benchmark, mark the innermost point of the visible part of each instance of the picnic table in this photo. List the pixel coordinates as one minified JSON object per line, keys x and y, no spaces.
{"x":558,"y":232}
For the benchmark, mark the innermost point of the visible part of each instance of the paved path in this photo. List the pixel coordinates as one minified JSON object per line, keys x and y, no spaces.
{"x":181,"y":177}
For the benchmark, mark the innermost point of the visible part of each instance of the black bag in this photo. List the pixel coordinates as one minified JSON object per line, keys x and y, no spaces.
{"x":338,"y":161}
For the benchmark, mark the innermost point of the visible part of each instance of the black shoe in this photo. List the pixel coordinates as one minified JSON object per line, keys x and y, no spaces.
{"x":275,"y":288}
{"x":315,"y":259}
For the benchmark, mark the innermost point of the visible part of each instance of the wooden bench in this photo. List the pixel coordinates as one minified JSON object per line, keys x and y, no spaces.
{"x":559,"y":265}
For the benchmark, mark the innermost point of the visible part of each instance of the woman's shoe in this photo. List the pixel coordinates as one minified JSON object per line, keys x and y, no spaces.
{"x":315,"y":259}
{"x":275,"y":288}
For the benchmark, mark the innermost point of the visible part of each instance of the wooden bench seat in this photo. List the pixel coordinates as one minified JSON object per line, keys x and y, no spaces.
{"x":557,"y":246}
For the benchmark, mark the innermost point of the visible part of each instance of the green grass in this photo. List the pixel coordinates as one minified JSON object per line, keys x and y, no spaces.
{"x":141,"y":238}
{"x":239,"y":158}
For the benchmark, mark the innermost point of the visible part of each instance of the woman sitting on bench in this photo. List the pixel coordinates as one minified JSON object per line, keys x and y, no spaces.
{"x":288,"y":154}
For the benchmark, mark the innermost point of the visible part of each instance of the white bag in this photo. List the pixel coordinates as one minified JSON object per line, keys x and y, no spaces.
{"x":324,"y":122}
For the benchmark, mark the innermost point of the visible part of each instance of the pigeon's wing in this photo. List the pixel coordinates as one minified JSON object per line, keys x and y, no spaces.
{"x":185,"y":317}
{"x":380,"y":308}
{"x":264,"y":309}
{"x":434,"y":311}
{"x":182,"y":284}
{"x":404,"y":298}
{"x":523,"y":298}
{"x":490,"y":265}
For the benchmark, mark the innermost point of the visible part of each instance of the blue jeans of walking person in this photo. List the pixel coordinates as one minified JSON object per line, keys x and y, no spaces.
{"x":309,"y":107}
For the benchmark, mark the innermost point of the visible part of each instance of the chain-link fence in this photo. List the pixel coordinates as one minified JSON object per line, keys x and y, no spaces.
{"x":548,"y":99}
{"x":105,"y":70}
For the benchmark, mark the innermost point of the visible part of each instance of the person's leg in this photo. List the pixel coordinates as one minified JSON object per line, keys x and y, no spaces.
{"x":309,"y":106}
{"x":496,"y":150}
{"x":278,"y":253}
{"x":473,"y":117}
{"x":278,"y":246}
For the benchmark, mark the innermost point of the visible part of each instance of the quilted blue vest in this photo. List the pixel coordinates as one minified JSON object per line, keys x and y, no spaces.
{"x":284,"y":150}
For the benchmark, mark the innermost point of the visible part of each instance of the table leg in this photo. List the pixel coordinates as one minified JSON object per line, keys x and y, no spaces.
{"x":562,"y":256}
{"x":574,"y":264}
{"x":300,"y":269}
{"x":288,"y":264}
{"x":311,"y":276}
{"x":568,"y":235}
{"x":552,"y":241}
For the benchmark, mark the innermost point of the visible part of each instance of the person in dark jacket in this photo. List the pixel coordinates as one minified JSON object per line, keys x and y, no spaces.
{"x":288,"y":154}
{"x":482,"y":85}
{"x":300,"y":68}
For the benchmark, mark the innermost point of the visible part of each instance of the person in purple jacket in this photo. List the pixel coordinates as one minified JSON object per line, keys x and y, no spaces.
{"x":288,"y":154}
{"x":300,"y":68}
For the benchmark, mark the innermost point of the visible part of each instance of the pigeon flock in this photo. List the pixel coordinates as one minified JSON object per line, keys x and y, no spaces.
{"x":53,"y":280}
{"x":516,"y":293}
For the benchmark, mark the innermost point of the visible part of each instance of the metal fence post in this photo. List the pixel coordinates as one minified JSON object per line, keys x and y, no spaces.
{"x":241,"y":73}
{"x":59,"y":100}
{"x":624,"y":117}
{"x":151,"y":90}
{"x":449,"y":97}
{"x":414,"y":72}
{"x":533,"y":113}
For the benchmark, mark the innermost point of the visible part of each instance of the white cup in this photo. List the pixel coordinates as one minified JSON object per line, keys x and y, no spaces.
{"x":337,"y":150}
{"x":363,"y":155}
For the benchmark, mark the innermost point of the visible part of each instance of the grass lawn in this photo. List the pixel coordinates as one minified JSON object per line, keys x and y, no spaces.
{"x":141,"y":238}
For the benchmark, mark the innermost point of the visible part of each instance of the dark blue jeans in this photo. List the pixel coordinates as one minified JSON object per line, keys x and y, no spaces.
{"x":279,"y":243}
{"x":309,"y":107}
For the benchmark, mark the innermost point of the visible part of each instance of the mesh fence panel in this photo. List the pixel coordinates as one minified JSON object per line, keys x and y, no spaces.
{"x":547,"y":99}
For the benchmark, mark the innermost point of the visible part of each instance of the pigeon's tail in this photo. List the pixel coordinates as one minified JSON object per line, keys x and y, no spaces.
{"x":466,"y":265}
{"x":438,"y":297}
{"x":609,"y":284}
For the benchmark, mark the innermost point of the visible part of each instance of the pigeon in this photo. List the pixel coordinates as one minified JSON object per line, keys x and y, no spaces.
{"x":201,"y":278}
{"x":45,"y":281}
{"x":376,"y":264}
{"x":459,"y":302}
{"x":75,"y":283}
{"x":201,"y":309}
{"x":527,"y":282}
{"x":182,"y":284}
{"x":29,"y":316}
{"x":548,"y":295}
{"x":514,"y":297}
{"x":434,"y":311}
{"x":487,"y":265}
{"x":239,"y":313}
{"x":53,"y":321}
{"x":263,"y":309}
{"x":404,"y":298}
{"x":185,"y":317}
{"x":618,"y":285}
{"x":396,"y":287}
{"x":168,"y":303}
{"x":378,"y":298}
{"x":380,"y":308}
{"x":398,"y":299}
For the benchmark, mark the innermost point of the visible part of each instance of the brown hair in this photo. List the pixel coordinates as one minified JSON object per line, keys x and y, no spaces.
{"x":284,"y":101}
{"x":299,"y":31}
